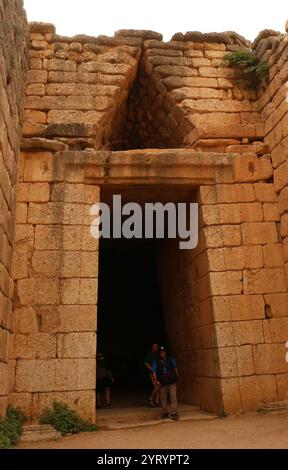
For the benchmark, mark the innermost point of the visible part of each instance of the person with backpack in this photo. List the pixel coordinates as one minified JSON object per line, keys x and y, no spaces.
{"x":166,"y":375}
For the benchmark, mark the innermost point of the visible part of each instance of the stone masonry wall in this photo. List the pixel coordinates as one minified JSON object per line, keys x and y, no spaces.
{"x":55,"y":300}
{"x":135,"y":91}
{"x":227,"y":321}
{"x":13,"y":65}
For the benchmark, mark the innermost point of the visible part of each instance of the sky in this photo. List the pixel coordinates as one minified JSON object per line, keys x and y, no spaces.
{"x":95,"y":17}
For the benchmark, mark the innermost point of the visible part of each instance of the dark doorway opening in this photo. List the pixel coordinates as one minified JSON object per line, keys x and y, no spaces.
{"x":130,"y":316}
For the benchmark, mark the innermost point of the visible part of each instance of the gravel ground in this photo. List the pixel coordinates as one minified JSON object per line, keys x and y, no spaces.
{"x":239,"y":432}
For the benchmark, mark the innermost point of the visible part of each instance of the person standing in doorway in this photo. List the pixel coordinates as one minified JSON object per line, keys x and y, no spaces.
{"x":151,"y":357}
{"x":166,"y":375}
{"x":104,"y":380}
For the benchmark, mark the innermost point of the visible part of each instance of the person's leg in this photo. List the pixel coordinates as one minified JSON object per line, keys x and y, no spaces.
{"x":173,"y":400}
{"x":163,"y":398}
{"x":108,"y":397}
{"x":157,"y":395}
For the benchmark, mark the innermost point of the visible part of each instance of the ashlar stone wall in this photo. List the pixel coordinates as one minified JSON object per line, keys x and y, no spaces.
{"x":13,"y":65}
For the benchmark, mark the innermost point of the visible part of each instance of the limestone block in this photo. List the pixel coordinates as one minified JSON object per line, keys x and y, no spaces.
{"x":248,"y":332}
{"x":271,"y":212}
{"x":78,"y":193}
{"x":21,"y":213}
{"x":88,"y":291}
{"x":231,"y":395}
{"x":35,"y":375}
{"x":89,"y":264}
{"x":270,"y":359}
{"x":24,"y":291}
{"x":61,"y":65}
{"x":253,"y":256}
{"x":37,"y":76}
{"x":265,"y":192}
{"x":223,"y":259}
{"x":216,"y":72}
{"x":68,"y":318}
{"x":226,"y":283}
{"x":69,"y":291}
{"x":46,"y":292}
{"x":284,"y":225}
{"x":39,"y":45}
{"x":30,"y":129}
{"x":34,"y":346}
{"x":36,"y":89}
{"x":48,"y":237}
{"x":252,"y":168}
{"x":278,"y":304}
{"x":38,"y":167}
{"x":281,"y":176}
{"x":4,"y":379}
{"x":250,"y":393}
{"x":283,"y":200}
{"x":276,"y":330}
{"x":46,"y":263}
{"x":200,"y":82}
{"x":35,"y":117}
{"x":68,"y":116}
{"x":224,"y":235}
{"x":227,"y":362}
{"x":245,"y":360}
{"x":20,"y":264}
{"x":235,"y":193}
{"x":75,"y":345}
{"x":282,"y":386}
{"x":268,"y":388}
{"x":264,"y":281}
{"x":224,"y":333}
{"x":246,"y":307}
{"x":273,"y":255}
{"x":259,"y":233}
{"x":75,"y":374}
{"x":35,"y":192}
{"x":26,"y":320}
{"x":35,"y":64}
{"x":215,"y":54}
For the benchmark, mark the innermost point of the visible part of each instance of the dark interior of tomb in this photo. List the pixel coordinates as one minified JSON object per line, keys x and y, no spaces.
{"x":130,"y":315}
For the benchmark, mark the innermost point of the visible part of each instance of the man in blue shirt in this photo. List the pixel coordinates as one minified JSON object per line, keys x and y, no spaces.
{"x":166,"y":375}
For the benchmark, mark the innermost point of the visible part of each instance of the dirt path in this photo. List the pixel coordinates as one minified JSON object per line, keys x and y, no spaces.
{"x":249,"y":431}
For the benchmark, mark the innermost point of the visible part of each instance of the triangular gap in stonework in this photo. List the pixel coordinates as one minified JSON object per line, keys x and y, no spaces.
{"x":148,"y":118}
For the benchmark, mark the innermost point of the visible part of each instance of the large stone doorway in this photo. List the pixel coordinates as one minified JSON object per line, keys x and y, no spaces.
{"x":150,"y":291}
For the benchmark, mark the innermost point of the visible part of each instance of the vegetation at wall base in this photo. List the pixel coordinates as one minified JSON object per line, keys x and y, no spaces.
{"x":11,"y":427}
{"x":255,"y":71}
{"x":65,"y":420}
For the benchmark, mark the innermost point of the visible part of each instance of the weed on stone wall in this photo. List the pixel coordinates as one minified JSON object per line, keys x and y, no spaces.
{"x":11,"y":427}
{"x":253,"y":70}
{"x":65,"y":420}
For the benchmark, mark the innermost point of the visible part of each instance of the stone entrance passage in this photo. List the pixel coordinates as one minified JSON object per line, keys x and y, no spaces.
{"x":132,"y":295}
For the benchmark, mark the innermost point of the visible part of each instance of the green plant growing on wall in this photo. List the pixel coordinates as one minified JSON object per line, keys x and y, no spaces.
{"x":254,"y":71}
{"x":65,"y":420}
{"x":11,"y":427}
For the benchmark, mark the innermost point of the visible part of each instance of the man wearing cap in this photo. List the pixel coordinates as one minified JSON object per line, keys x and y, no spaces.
{"x":166,"y":375}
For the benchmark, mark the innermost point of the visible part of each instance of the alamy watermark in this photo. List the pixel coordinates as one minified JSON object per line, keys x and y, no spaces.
{"x":148,"y":221}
